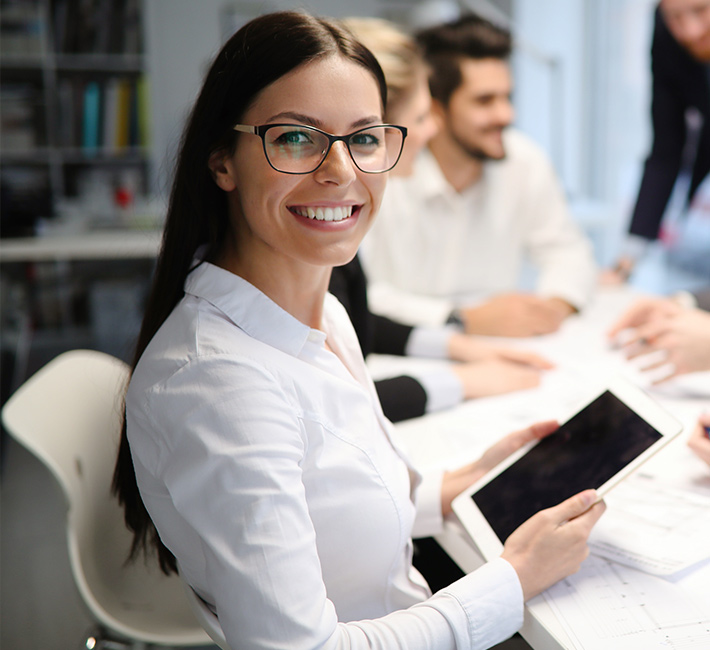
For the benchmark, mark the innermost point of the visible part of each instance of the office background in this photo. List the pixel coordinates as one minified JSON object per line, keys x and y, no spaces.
{"x":582,"y":91}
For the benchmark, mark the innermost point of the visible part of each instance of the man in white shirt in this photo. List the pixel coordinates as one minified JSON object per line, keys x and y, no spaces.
{"x":451,"y":239}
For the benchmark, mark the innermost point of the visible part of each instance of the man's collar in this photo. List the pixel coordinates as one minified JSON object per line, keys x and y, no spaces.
{"x":429,"y":177}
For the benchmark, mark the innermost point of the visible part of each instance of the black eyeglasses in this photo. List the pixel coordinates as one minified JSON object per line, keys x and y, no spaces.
{"x":299,"y":149}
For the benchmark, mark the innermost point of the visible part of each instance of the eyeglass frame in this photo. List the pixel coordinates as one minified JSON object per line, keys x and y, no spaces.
{"x":332,"y":139}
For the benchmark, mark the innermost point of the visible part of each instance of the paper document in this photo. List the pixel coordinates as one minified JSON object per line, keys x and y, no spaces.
{"x":654,"y":527}
{"x":606,"y":605}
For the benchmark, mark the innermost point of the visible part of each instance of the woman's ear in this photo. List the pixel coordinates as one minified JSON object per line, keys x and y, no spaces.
{"x":222,"y":169}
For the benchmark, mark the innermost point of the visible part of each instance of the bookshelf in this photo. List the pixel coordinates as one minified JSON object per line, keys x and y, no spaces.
{"x":73,"y":154}
{"x":74,"y":111}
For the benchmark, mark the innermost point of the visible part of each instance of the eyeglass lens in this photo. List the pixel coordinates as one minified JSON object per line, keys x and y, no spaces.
{"x":300,"y":149}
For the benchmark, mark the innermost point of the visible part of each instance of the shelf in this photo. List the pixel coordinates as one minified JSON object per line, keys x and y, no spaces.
{"x":110,"y":244}
{"x":39,"y":156}
{"x":22,"y":62}
{"x":103,"y":63}
{"x":75,"y":106}
{"x":74,"y":156}
{"x":128,"y":156}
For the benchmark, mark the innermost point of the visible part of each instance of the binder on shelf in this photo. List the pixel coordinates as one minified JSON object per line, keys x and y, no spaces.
{"x":110,"y":119}
{"x":19,"y":126}
{"x":124,"y":110}
{"x":143,"y":101}
{"x":66,"y":134}
{"x":92,"y":116}
{"x":96,"y":26}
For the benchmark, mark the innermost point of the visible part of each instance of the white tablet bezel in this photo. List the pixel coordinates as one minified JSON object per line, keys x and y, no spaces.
{"x":637,"y":400}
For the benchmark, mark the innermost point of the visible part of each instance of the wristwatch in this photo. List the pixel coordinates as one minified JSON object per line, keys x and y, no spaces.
{"x":456,"y":319}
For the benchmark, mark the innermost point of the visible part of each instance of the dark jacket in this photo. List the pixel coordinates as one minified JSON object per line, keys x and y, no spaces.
{"x":679,"y":82}
{"x":401,"y":397}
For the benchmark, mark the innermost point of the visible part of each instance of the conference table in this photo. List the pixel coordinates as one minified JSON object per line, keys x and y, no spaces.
{"x":646,"y":583}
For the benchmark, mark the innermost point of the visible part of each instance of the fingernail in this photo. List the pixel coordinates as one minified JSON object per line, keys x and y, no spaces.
{"x":589,"y":497}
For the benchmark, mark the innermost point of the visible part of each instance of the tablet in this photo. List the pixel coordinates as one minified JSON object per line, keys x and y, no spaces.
{"x":617,"y":429}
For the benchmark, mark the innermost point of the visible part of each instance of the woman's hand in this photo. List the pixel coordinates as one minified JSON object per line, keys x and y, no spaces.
{"x":642,"y":312}
{"x":684,"y":337}
{"x":494,"y":377}
{"x":516,"y":314}
{"x":552,"y":544}
{"x":464,"y":347}
{"x":457,"y":481}
{"x":699,"y":440}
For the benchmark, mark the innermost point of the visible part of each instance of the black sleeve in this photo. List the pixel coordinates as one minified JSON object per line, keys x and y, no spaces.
{"x":669,"y":132}
{"x":402,"y":398}
{"x":389,"y":337}
{"x":703,"y":298}
{"x":379,"y":334}
{"x":679,"y":83}
{"x":349,"y":285}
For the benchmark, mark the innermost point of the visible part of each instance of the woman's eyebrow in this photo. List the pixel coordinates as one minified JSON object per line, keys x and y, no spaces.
{"x":314,"y":121}
{"x":368,"y":121}
{"x":296,"y":117}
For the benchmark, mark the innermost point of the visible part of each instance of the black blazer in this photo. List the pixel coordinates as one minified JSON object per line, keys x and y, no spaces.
{"x":703,"y":298}
{"x":401,"y":397}
{"x":679,"y":82}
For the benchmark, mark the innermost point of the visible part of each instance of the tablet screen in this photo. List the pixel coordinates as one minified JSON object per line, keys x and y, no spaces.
{"x":585,"y":452}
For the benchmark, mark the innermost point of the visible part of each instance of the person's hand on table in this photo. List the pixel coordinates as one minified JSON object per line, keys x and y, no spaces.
{"x":617,"y":275}
{"x":494,"y":377}
{"x":682,"y":335}
{"x":516,"y":314}
{"x":699,"y":440}
{"x":464,"y":347}
{"x":643,"y":311}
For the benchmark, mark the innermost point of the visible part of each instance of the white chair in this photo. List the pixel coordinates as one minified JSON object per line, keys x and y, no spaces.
{"x":207,"y":618}
{"x":69,"y":415}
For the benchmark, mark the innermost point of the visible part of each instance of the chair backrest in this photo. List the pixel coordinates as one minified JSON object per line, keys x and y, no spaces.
{"x":207,"y":618}
{"x":69,"y":415}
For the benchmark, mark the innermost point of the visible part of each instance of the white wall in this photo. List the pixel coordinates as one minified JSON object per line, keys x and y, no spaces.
{"x":583,"y":91}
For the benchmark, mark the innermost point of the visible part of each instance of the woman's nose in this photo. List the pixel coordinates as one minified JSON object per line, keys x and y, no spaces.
{"x":338,"y":166}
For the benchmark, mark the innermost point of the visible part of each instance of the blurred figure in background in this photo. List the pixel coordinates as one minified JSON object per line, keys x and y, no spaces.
{"x":487,"y":369}
{"x":452,"y":237}
{"x":680,"y":112}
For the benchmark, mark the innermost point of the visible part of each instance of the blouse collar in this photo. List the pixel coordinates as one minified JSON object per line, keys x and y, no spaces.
{"x":250,"y":309}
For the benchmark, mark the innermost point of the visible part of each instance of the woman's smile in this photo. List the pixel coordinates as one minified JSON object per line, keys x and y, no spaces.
{"x":326,"y":213}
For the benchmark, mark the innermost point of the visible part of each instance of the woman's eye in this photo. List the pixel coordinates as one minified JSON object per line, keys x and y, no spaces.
{"x":364,"y":140}
{"x":293,"y":137}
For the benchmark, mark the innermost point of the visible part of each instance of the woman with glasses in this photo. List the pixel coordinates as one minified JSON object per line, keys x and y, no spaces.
{"x":255,"y":456}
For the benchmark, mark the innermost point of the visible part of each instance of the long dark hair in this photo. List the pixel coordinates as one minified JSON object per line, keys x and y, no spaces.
{"x":261,"y":52}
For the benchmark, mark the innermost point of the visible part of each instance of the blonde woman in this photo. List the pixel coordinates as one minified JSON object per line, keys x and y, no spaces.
{"x":485,"y":369}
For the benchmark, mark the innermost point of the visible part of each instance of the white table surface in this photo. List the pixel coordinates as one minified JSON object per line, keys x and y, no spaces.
{"x":582,"y":357}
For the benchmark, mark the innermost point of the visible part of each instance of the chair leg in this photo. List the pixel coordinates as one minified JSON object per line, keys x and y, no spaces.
{"x":100,"y":639}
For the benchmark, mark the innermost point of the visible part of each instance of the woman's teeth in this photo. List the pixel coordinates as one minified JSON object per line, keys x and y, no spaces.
{"x":325,"y":214}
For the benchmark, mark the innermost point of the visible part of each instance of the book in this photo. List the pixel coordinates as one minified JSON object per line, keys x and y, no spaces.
{"x":110,"y":117}
{"x":92,"y":113}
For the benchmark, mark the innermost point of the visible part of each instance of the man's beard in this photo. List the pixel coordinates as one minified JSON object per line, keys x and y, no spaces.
{"x":472,"y":150}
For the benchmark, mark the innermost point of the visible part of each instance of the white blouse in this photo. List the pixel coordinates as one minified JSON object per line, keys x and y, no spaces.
{"x":270,"y":472}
